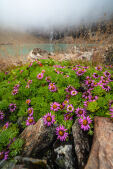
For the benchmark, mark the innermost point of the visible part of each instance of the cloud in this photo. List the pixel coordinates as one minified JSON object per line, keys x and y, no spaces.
{"x":43,"y":14}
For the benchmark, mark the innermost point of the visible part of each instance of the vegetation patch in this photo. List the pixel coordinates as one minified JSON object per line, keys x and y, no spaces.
{"x":57,"y":92}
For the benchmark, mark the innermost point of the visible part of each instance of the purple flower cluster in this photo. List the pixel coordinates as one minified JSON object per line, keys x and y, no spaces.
{"x":28,"y":83}
{"x":30,"y":119}
{"x":4,"y":155}
{"x":68,"y":116}
{"x":107,"y":74}
{"x":48,"y":79}
{"x":58,"y":72}
{"x":69,"y":89}
{"x":59,"y":66}
{"x":15,"y":89}
{"x":30,"y":64}
{"x":12,"y":107}
{"x":111,"y":108}
{"x":1,"y":115}
{"x":52,"y":87}
{"x":80,"y":72}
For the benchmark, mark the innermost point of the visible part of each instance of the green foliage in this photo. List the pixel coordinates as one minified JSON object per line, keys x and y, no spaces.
{"x":93,"y":106}
{"x":16,"y":147}
{"x":98,"y":91}
{"x":4,"y":105}
{"x":102,"y":102}
{"x":7,"y":134}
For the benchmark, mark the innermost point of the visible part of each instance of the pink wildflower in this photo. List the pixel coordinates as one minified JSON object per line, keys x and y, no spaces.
{"x":6,"y":125}
{"x":84,"y":122}
{"x":74,"y":92}
{"x":68,"y":116}
{"x":28,"y":101}
{"x":70,"y":108}
{"x":40,"y":76}
{"x":12,"y":107}
{"x":30,"y":121}
{"x":61,"y":133}
{"x":30,"y":111}
{"x":55,"y":106}
{"x":80,"y":112}
{"x":49,"y":119}
{"x":99,"y":68}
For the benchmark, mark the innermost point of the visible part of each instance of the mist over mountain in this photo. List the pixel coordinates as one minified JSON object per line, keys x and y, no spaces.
{"x":47,"y":15}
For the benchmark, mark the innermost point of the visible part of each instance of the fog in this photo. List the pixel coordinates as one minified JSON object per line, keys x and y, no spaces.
{"x":50,"y":14}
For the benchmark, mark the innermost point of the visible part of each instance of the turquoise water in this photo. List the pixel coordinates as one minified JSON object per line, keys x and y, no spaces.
{"x":24,"y":49}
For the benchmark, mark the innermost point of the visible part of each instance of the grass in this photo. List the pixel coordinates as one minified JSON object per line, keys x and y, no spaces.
{"x":21,"y":83}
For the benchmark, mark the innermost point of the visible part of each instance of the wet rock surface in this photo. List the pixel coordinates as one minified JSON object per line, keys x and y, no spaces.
{"x":37,"y":138}
{"x":101,"y":156}
{"x":64,"y":157}
{"x":31,"y":163}
{"x":82,"y":144}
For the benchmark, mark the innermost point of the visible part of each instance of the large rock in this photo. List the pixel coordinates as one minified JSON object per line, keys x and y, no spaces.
{"x":37,"y":138}
{"x":86,"y":55}
{"x":101,"y":156}
{"x":82,"y":146}
{"x":37,"y":53}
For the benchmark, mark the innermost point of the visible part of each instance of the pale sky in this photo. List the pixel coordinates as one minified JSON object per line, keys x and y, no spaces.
{"x":24,"y":14}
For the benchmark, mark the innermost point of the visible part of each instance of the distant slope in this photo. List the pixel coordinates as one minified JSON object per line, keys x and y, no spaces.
{"x":9,"y":37}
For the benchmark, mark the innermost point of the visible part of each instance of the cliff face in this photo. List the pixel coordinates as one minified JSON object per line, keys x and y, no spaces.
{"x":92,"y":32}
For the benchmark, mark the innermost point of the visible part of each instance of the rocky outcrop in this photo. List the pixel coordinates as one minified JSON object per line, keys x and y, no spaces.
{"x":76,"y":53}
{"x":37,"y":138}
{"x":37,"y":53}
{"x":81,"y":143}
{"x":101,"y":156}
